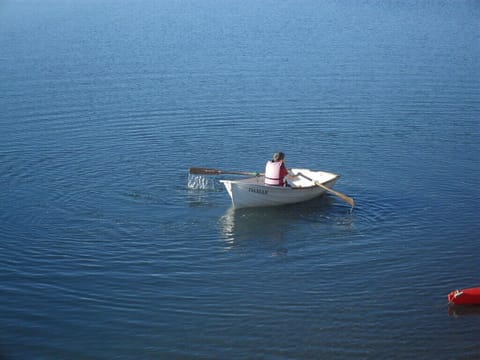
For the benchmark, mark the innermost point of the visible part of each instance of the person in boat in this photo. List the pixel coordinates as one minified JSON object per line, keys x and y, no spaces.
{"x":276,"y":172}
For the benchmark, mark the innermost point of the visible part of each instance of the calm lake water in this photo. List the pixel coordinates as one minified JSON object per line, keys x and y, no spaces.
{"x":109,"y":250}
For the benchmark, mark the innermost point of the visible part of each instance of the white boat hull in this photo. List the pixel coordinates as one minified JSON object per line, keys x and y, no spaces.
{"x":253,"y":192}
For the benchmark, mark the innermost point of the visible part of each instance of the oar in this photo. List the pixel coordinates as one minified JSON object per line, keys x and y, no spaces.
{"x":207,"y":171}
{"x":344,"y":197}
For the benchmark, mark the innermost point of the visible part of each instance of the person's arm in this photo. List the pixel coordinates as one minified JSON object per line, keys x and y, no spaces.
{"x":283,"y":171}
{"x":291,"y":175}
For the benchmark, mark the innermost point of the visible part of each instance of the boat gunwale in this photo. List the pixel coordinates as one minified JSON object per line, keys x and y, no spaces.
{"x":255,"y":181}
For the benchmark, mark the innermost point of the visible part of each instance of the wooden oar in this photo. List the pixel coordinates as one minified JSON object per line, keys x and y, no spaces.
{"x":207,"y":171}
{"x":344,"y":197}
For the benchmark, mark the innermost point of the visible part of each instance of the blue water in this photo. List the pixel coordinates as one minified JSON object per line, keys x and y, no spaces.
{"x":108,"y":249}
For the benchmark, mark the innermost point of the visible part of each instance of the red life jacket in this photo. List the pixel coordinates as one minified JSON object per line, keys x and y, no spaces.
{"x":273,"y":173}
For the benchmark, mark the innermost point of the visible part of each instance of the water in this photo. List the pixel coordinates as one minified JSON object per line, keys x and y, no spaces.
{"x":110,"y":250}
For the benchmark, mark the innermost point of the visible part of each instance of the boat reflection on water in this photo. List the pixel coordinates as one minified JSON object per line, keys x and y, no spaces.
{"x":262,"y":227}
{"x":463,"y":310}
{"x":268,"y":227}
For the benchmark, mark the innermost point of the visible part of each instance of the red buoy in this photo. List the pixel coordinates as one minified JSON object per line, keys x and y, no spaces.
{"x":465,"y":297}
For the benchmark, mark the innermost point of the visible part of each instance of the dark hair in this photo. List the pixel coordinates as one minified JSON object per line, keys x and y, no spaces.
{"x":278,"y":156}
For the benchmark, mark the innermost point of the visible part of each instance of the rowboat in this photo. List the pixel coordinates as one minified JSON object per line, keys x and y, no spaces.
{"x":252,"y":192}
{"x":465,"y":296}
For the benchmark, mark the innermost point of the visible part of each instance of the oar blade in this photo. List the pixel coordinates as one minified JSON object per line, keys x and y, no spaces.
{"x":344,"y":197}
{"x":207,"y":171}
{"x":204,"y":171}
